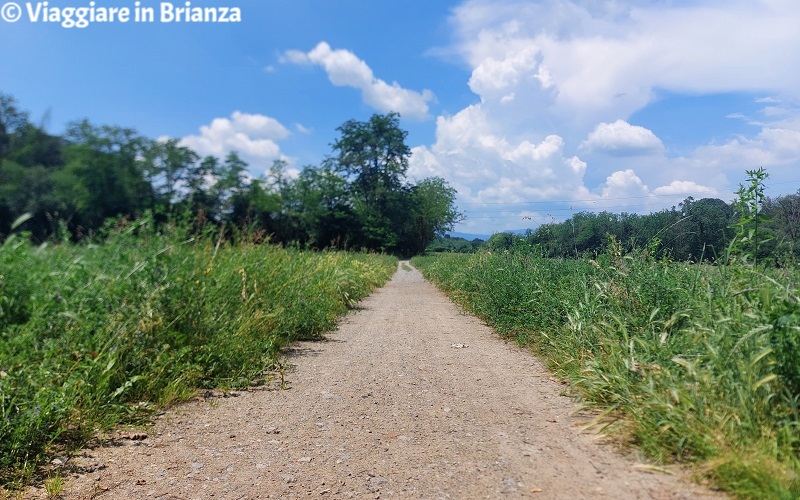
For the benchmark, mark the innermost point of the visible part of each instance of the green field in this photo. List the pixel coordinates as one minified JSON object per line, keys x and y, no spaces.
{"x":95,"y":335}
{"x":691,"y":363}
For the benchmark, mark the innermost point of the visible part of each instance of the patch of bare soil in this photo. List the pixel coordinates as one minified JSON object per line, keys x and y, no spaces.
{"x":410,"y":398}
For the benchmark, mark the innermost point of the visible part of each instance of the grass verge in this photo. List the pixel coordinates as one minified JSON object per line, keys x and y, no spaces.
{"x":96,"y":335}
{"x":692,"y":363}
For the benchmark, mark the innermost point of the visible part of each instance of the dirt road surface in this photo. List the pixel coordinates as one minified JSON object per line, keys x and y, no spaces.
{"x":410,"y":398}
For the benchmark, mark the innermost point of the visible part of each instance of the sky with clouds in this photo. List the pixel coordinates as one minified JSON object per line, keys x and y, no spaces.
{"x":532,"y":110}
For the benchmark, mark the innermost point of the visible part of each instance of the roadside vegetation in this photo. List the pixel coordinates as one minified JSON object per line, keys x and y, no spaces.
{"x":94,"y":335}
{"x":692,"y":362}
{"x":134,"y":272}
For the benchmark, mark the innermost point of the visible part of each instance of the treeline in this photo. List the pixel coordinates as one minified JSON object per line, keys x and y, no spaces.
{"x":72,"y":185}
{"x":455,"y":244}
{"x":695,"y":230}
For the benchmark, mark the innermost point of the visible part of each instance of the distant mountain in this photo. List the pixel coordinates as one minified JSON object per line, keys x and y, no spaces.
{"x":517,"y":231}
{"x":469,"y":236}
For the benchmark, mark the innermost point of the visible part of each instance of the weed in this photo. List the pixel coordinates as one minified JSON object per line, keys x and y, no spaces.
{"x":750,"y":235}
{"x":54,"y":485}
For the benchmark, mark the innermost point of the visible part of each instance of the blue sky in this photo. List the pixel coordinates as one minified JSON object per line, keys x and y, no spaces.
{"x":533,"y":110}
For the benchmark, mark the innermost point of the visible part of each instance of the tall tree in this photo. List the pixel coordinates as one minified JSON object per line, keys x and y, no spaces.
{"x":705,"y":223}
{"x":104,"y":175}
{"x":320,"y":202}
{"x":433,"y":213}
{"x":784,"y":213}
{"x":168,"y":165}
{"x":12,"y":119}
{"x":373,"y":154}
{"x":263,"y":202}
{"x":200,"y":182}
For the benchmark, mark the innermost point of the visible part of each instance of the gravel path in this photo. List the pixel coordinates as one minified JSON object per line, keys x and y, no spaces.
{"x":410,"y":398}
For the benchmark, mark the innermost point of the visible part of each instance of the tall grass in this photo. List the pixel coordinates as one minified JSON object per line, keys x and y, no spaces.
{"x":95,"y":335}
{"x":690,"y":362}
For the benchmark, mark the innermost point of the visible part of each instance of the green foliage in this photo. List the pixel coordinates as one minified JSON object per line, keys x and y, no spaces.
{"x":785,"y":340}
{"x":373,"y":156}
{"x":433,"y":211}
{"x":694,"y":231}
{"x":519,"y":243}
{"x":320,"y":204}
{"x":752,"y":228}
{"x":454,"y":244}
{"x":358,"y":199}
{"x":783,"y":223}
{"x":691,"y":362}
{"x":391,"y":215}
{"x":750,"y":217}
{"x":94,"y":335}
{"x":12,"y":120}
{"x":374,"y":153}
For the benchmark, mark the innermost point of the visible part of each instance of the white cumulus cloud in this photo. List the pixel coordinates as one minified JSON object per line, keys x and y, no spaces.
{"x":623,"y":139}
{"x":624,"y":184}
{"x":557,"y":82}
{"x":772,"y":146}
{"x":255,"y":137}
{"x":684,"y":188}
{"x":345,"y":69}
{"x":488,"y":165}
